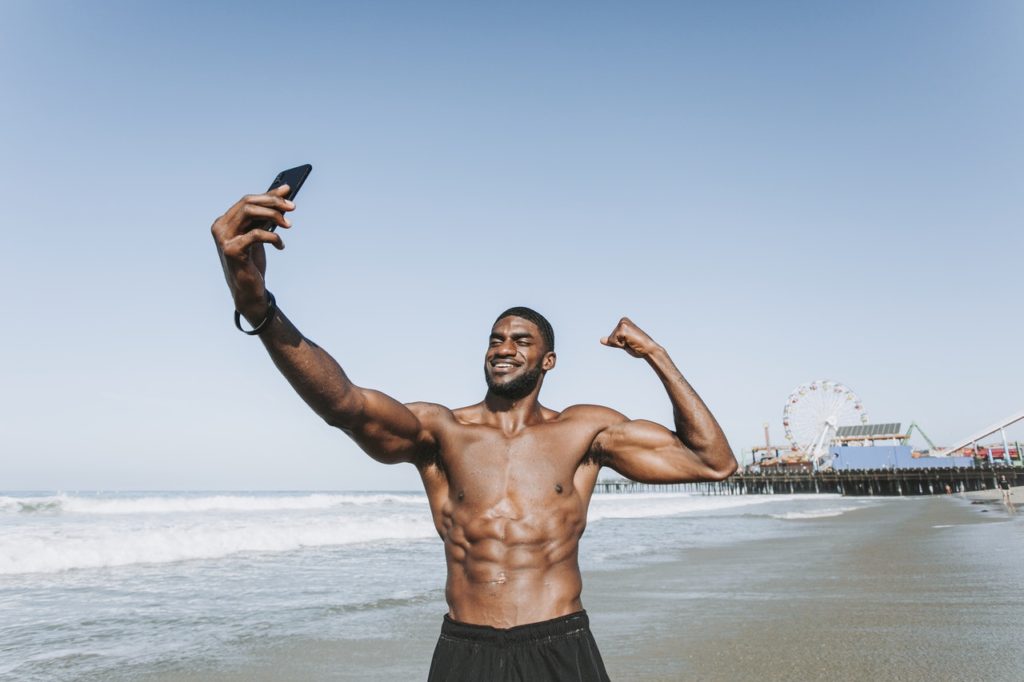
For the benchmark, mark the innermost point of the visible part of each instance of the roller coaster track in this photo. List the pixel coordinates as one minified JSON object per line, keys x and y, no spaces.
{"x":974,"y":438}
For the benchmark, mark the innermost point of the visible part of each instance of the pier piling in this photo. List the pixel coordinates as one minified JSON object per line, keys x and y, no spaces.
{"x":851,"y":483}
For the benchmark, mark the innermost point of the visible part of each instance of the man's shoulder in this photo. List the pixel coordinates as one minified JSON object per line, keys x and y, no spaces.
{"x":430,"y":412}
{"x":598,"y":415}
{"x":436,"y":415}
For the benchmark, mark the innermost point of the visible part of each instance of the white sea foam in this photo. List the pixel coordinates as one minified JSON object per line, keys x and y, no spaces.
{"x":640,"y":505}
{"x":814,"y":514}
{"x":42,"y":550}
{"x":172,"y":504}
{"x":61,"y":532}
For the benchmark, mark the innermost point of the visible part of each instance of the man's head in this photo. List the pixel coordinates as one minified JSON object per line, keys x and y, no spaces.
{"x":520,"y":350}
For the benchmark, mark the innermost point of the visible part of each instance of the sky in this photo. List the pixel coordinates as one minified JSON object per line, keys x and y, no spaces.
{"x":776,"y":192}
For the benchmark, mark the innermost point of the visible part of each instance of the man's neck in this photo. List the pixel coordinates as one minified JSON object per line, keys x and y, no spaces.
{"x":511,"y":416}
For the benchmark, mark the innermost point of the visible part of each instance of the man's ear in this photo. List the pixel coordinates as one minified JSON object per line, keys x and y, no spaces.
{"x":548,"y":363}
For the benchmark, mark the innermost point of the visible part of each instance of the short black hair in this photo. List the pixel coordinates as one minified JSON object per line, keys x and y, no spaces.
{"x":546,"y":332}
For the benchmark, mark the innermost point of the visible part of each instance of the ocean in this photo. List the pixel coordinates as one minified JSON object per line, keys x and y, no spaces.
{"x":100,"y":586}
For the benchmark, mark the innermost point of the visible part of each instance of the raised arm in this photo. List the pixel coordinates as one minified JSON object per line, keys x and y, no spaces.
{"x":384,"y":428}
{"x":650,"y":453}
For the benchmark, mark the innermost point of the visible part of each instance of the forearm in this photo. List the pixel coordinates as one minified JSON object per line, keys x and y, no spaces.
{"x":695,"y":426}
{"x":312,"y":372}
{"x":384,"y":428}
{"x":240,"y":237}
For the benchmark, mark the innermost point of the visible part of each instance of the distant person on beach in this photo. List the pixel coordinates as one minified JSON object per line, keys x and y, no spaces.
{"x":1004,"y":485}
{"x":508,"y":480}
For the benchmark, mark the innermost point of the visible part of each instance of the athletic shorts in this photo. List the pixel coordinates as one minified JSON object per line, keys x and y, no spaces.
{"x":559,"y":650}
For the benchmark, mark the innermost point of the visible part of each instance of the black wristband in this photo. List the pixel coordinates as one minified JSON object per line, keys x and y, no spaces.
{"x":262,"y":326}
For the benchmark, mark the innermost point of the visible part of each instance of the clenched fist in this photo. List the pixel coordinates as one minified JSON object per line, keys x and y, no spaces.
{"x":631,"y":339}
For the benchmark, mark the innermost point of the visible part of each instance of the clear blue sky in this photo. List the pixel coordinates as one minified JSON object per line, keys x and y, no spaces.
{"x":777,"y":192}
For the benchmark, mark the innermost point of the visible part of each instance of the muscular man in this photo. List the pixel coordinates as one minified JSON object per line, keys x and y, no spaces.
{"x":508,"y":480}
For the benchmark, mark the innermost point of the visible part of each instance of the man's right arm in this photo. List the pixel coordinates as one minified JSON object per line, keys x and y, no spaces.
{"x":383,"y":427}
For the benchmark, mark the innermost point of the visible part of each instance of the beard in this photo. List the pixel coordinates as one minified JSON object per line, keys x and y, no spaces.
{"x":517,"y":388}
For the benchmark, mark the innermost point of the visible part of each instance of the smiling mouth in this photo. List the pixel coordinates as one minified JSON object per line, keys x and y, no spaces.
{"x":504,"y":365}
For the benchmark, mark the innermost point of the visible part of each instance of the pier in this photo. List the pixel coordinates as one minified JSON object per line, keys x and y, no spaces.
{"x":852,"y":483}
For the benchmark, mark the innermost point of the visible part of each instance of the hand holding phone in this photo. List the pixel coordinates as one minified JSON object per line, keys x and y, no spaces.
{"x":293,"y":177}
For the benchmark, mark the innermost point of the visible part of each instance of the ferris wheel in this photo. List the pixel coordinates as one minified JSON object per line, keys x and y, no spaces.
{"x":815,"y":411}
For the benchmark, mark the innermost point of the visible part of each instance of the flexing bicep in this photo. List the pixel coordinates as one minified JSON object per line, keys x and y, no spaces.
{"x":649,"y":453}
{"x":387,"y":430}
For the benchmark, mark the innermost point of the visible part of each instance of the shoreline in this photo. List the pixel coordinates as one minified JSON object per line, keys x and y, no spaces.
{"x":878,"y":593}
{"x":1016,"y":495}
{"x":889,"y":592}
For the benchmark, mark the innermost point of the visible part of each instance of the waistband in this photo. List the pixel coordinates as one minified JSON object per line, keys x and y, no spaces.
{"x":546,"y":629}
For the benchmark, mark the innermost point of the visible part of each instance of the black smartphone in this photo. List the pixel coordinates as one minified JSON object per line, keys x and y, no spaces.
{"x":293,"y":177}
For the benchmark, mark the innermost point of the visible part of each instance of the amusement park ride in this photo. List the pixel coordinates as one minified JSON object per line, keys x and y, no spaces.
{"x":822,"y":415}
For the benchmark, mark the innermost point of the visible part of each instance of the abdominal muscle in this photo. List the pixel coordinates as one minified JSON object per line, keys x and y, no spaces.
{"x":508,"y":566}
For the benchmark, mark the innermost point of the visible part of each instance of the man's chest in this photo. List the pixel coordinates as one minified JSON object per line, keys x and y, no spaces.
{"x":538,"y":458}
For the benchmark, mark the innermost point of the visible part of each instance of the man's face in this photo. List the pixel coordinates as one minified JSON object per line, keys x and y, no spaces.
{"x":516,"y":358}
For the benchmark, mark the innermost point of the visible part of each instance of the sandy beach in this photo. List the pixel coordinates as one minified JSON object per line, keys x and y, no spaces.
{"x":917,"y":589}
{"x":1016,"y":495}
{"x":909,"y":589}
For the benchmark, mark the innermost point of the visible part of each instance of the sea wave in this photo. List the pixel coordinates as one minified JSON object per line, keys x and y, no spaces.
{"x":112,"y":545}
{"x":73,"y":531}
{"x":640,"y":505}
{"x":814,"y":514}
{"x":174,"y":504}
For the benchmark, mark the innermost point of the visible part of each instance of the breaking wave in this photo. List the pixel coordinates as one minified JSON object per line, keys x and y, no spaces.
{"x":111,"y":545}
{"x":174,"y":504}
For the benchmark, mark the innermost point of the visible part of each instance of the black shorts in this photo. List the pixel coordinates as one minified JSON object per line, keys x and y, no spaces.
{"x":556,"y":650}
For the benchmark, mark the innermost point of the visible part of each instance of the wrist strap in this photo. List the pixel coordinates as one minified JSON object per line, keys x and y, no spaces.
{"x":262,"y":326}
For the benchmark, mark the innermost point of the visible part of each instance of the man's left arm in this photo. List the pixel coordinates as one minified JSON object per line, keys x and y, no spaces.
{"x":650,"y":453}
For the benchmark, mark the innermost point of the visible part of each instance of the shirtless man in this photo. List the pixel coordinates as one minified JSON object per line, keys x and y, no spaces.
{"x":508,"y":480}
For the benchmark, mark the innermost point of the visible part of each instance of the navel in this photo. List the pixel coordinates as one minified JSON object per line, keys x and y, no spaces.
{"x":558,"y":488}
{"x":462,"y":495}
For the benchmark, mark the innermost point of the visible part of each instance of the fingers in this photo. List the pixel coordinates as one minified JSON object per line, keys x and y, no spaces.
{"x":617,"y":339}
{"x":240,"y":244}
{"x":626,"y":336}
{"x":258,"y":214}
{"x":273,"y":199}
{"x":254,"y":211}
{"x":269,"y":200}
{"x":621,"y":341}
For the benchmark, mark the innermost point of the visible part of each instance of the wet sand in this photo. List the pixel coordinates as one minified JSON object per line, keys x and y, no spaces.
{"x":915,"y":589}
{"x":1016,"y":495}
{"x":912,"y":589}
